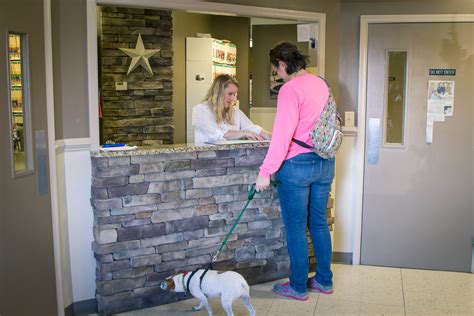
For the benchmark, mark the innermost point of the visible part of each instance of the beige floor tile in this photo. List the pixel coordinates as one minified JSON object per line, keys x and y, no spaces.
{"x":261,"y":298}
{"x":383,"y":296}
{"x":380,"y":276}
{"x":420,"y":301}
{"x":178,"y":308}
{"x":344,"y":291}
{"x":423,"y":280}
{"x":293,"y":307}
{"x":378,"y":309}
{"x":274,"y":313}
{"x":434,"y":312}
{"x":242,"y":311}
{"x":346,"y":273}
{"x":358,"y":290}
{"x":337,"y":307}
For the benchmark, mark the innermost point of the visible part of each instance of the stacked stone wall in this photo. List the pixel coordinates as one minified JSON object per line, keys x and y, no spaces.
{"x":158,"y":214}
{"x":142,"y":114}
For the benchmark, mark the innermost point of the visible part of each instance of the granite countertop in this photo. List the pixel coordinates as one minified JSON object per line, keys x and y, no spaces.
{"x":175,"y":148}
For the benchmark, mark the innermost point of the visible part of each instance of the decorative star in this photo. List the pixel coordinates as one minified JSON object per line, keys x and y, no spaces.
{"x":140,"y":56}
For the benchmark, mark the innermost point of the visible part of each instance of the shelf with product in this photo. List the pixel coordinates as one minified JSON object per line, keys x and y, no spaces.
{"x":15,"y":64}
{"x":16,"y":79}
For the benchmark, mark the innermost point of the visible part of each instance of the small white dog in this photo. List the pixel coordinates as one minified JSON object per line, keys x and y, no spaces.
{"x":228,"y":285}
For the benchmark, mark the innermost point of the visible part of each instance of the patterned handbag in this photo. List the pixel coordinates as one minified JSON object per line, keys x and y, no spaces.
{"x":326,"y":134}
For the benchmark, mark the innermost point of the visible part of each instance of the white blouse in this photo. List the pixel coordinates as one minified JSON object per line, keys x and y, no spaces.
{"x":206,"y":128}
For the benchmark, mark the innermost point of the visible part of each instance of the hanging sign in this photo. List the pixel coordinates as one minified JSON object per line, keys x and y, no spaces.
{"x":442,"y":72}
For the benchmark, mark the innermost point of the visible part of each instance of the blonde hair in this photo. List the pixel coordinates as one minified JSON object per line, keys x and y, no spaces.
{"x":215,"y":98}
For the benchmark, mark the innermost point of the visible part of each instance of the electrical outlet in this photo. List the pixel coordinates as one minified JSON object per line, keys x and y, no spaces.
{"x":121,"y":86}
{"x":349,"y":119}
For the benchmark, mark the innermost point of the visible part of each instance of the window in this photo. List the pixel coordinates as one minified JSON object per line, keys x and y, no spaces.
{"x":20,"y":123}
{"x":395,"y":107}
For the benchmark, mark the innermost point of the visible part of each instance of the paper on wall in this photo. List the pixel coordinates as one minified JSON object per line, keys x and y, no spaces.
{"x":439,"y":105}
{"x":435,"y":111}
{"x":441,"y":93}
{"x":307,"y":32}
{"x":429,"y":131}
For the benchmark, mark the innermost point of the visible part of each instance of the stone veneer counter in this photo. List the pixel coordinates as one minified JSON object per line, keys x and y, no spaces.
{"x":163,"y":210}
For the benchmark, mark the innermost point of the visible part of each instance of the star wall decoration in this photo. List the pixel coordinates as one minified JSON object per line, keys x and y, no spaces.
{"x":139,"y":56}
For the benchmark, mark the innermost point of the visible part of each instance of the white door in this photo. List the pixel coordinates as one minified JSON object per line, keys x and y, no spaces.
{"x":27,"y":279}
{"x":417,"y":202}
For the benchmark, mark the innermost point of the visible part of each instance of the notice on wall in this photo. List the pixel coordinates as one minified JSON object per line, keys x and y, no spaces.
{"x":440,"y":104}
{"x":441,"y":94}
{"x":304,"y":32}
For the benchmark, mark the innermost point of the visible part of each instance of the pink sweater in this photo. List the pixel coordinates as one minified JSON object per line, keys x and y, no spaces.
{"x":300,"y":102}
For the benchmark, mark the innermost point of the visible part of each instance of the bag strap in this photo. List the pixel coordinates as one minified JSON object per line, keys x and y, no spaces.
{"x":301,"y":143}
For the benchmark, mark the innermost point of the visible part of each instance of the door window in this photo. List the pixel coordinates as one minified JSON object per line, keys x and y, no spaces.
{"x":395,"y":107}
{"x":20,"y":123}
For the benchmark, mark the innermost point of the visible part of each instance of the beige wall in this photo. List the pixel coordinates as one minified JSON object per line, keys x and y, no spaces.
{"x":237,"y":30}
{"x":184,"y":25}
{"x":70,"y":59}
{"x":349,"y":39}
{"x":265,"y":37}
{"x":69,"y":28}
{"x":342,"y":50}
{"x":332,"y":10}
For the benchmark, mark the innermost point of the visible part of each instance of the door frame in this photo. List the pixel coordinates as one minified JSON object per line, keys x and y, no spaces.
{"x":51,"y":141}
{"x":194,"y":5}
{"x":359,"y":154}
{"x":53,"y":179}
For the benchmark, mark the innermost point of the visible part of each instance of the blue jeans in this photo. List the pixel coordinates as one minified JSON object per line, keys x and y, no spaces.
{"x":305,"y":183}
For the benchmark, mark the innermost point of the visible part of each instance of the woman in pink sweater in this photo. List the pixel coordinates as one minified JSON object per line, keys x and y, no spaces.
{"x":305,"y":178}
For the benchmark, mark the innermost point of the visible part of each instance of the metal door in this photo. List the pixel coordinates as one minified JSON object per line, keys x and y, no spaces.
{"x":417,"y":201}
{"x":27,"y":278}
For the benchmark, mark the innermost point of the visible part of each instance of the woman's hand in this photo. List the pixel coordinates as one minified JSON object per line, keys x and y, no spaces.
{"x":262,"y":183}
{"x":235,"y":134}
{"x":251,"y":135}
{"x":266,"y":134}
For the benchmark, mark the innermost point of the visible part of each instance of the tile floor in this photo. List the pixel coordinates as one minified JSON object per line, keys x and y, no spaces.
{"x":358,"y":290}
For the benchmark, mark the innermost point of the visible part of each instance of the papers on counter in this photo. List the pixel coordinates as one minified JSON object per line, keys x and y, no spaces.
{"x":119,"y":148}
{"x":237,"y":141}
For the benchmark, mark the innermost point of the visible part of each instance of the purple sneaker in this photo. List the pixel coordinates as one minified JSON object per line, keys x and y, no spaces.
{"x":316,"y":287}
{"x":284,"y":289}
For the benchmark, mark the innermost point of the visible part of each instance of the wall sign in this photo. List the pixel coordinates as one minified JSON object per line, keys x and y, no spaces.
{"x":442,"y":72}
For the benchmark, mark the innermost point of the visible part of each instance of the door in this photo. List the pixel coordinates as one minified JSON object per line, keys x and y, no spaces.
{"x":27,"y":279}
{"x":417,"y":201}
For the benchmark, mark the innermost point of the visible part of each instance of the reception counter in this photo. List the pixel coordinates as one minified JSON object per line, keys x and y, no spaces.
{"x":163,"y":210}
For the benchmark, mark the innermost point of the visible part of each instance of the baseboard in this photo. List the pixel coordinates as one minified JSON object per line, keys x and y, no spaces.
{"x":342,"y":257}
{"x":86,"y":307}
